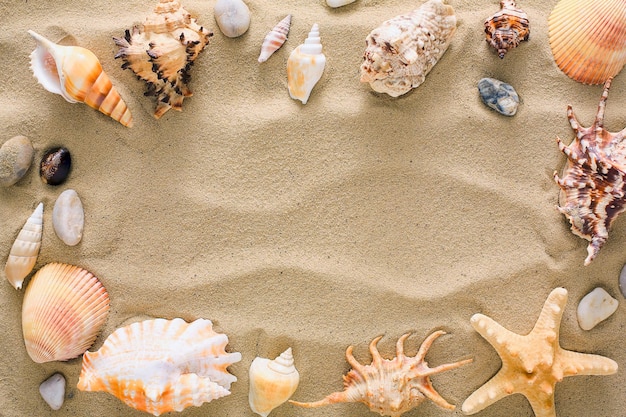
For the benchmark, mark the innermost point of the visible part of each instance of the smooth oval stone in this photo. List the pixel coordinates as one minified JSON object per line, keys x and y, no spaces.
{"x":55,"y":166}
{"x":338,"y":3}
{"x":68,"y":217}
{"x":232,"y":17}
{"x":498,"y":95}
{"x":16,"y":155}
{"x":53,"y":391}
{"x":622,"y":281}
{"x":594,"y":307}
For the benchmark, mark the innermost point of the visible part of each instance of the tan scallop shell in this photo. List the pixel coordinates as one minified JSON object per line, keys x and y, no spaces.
{"x":272,"y":382}
{"x":588,"y":38}
{"x":63,"y":310}
{"x":25,"y":249}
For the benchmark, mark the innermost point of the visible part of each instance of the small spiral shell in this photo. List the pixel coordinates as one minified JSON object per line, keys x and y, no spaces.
{"x":275,"y":39}
{"x":305,"y":66}
{"x":272,"y":382}
{"x":25,"y":249}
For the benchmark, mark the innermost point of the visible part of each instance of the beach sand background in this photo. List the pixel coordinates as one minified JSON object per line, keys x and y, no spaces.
{"x":314,"y":226}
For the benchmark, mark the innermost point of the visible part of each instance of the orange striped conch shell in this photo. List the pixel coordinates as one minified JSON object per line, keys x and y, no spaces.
{"x":305,"y":66}
{"x":275,"y":38}
{"x":161,"y":365}
{"x":25,"y":249}
{"x":64,"y":308}
{"x":76,"y":74}
{"x":588,"y":38}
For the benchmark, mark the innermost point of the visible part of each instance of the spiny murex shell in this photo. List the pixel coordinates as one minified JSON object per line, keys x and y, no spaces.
{"x":76,"y":74}
{"x":163,"y":51}
{"x":25,"y":249}
{"x":272,"y":382}
{"x":390,"y":387}
{"x":402,"y":51}
{"x":64,"y":308}
{"x":305,"y":66}
{"x":161,"y":365}
{"x":507,"y":27}
{"x":593,"y":182}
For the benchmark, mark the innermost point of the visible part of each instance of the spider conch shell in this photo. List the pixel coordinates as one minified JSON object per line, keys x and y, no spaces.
{"x":162,"y":52}
{"x":25,"y":249}
{"x":588,"y":38}
{"x":64,"y":308}
{"x":305,"y":66}
{"x":507,"y":27}
{"x":76,"y":74}
{"x":161,"y":365}
{"x":402,"y":51}
{"x":272,"y":382}
{"x":275,"y":38}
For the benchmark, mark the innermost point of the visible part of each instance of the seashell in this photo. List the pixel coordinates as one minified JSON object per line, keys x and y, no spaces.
{"x":593,"y":181}
{"x":390,"y":387}
{"x":498,"y":95}
{"x":272,"y":382}
{"x":161,"y":365}
{"x":162,"y":53}
{"x":275,"y":38}
{"x":68,"y":217}
{"x":507,"y":27}
{"x":402,"y":51}
{"x":55,"y":166}
{"x":305,"y":66}
{"x":16,"y":155}
{"x":338,"y":3}
{"x":76,"y":74}
{"x":52,"y":390}
{"x":25,"y":249}
{"x":64,"y":308}
{"x":595,"y":307}
{"x":232,"y":17}
{"x":588,"y":38}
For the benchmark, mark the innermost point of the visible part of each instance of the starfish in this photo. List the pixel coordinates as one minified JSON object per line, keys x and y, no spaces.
{"x":533,"y":364}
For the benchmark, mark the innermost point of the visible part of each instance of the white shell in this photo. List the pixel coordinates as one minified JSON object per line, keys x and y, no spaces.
{"x":272,"y":382}
{"x":52,"y":390}
{"x":275,"y":38}
{"x":339,"y":3}
{"x":595,"y":307}
{"x":232,"y":17}
{"x":68,"y":217}
{"x":25,"y":249}
{"x":305,"y":66}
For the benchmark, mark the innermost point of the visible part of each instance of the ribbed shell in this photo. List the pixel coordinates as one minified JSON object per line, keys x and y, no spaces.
{"x":25,"y":249}
{"x":275,"y":38}
{"x":588,"y":38}
{"x":272,"y":382}
{"x":161,"y":365}
{"x":63,"y":310}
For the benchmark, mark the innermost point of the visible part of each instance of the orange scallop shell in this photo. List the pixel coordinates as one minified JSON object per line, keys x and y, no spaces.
{"x":64,"y":307}
{"x":588,"y":38}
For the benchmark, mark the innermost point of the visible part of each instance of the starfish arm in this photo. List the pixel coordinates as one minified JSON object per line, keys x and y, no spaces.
{"x":543,"y":408}
{"x":498,"y":336}
{"x":571,"y":363}
{"x":493,"y":390}
{"x":549,"y":319}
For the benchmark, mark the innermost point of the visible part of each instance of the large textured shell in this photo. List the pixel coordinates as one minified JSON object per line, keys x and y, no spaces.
{"x":25,"y":249}
{"x":162,"y":52}
{"x":390,"y":387}
{"x":593,"y":187}
{"x":76,"y":74}
{"x":161,"y":365}
{"x":305,"y":66}
{"x":588,"y":38}
{"x":402,"y":51}
{"x":275,"y":38}
{"x":507,"y":27}
{"x":272,"y":382}
{"x":63,"y":310}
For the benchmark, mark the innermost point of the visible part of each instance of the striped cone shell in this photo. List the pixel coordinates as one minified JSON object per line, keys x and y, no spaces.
{"x":275,"y":39}
{"x":25,"y":249}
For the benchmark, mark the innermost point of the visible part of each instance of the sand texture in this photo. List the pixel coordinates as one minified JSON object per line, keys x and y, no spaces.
{"x":314,"y":226}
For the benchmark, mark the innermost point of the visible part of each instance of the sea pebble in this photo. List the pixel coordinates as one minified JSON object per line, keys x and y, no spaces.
{"x":498,"y":95}
{"x":68,"y":217}
{"x":622,"y":281}
{"x":338,"y":3}
{"x":16,"y":155}
{"x":232,"y":17}
{"x":55,"y":166}
{"x":53,"y":391}
{"x":595,"y":307}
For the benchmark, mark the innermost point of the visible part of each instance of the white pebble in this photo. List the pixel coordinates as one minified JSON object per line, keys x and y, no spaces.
{"x":53,"y":391}
{"x":68,"y":218}
{"x":339,"y":3}
{"x":232,"y":17}
{"x":595,"y":307}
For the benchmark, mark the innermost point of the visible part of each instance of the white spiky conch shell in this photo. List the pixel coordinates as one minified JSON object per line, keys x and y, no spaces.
{"x":161,"y":365}
{"x":76,"y":74}
{"x":272,"y":382}
{"x":63,"y":310}
{"x":305,"y":66}
{"x":275,"y":38}
{"x":25,"y":249}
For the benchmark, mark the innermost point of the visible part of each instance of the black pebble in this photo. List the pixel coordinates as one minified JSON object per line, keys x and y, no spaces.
{"x":55,"y":166}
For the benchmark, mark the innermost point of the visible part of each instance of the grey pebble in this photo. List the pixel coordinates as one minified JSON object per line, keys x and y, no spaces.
{"x":498,"y":95}
{"x":16,"y":156}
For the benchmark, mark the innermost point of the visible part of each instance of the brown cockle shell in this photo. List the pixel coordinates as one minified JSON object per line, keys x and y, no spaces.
{"x":390,"y":387}
{"x":507,"y":27}
{"x":162,"y":52}
{"x":593,"y":182}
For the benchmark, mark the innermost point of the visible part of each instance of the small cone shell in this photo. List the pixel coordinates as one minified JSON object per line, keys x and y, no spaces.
{"x":588,"y":38}
{"x":275,"y":39}
{"x":63,"y":310}
{"x":305,"y":66}
{"x":25,"y":249}
{"x":76,"y":74}
{"x":272,"y":382}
